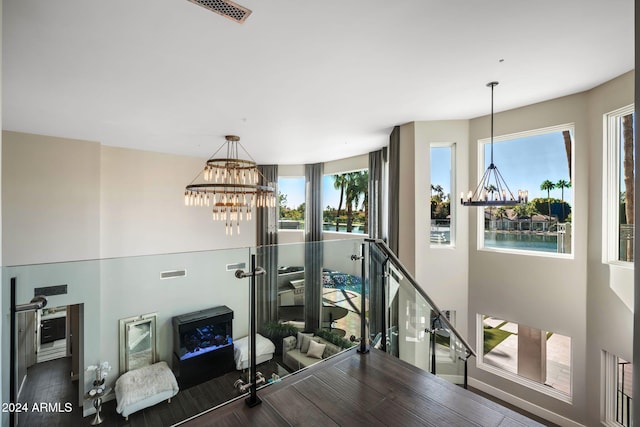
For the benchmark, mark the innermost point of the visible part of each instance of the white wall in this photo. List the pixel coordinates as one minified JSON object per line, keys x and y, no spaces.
{"x":132,"y":287}
{"x":70,"y":200}
{"x":442,"y":271}
{"x":143,"y":212}
{"x":407,"y":210}
{"x":51,"y":199}
{"x":567,"y":296}
{"x":609,"y":319}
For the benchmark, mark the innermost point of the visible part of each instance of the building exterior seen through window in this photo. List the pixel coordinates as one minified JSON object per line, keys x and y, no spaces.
{"x":442,"y":210}
{"x":540,"y":162}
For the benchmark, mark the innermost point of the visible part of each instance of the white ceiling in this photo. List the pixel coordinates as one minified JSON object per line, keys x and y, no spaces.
{"x":299,"y":81}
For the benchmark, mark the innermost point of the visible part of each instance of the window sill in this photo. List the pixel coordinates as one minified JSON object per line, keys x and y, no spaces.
{"x":541,"y":388}
{"x":526,"y":252}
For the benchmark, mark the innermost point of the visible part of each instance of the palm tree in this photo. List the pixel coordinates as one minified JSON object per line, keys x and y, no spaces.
{"x":339,"y":181}
{"x":567,"y":147}
{"x":562,"y":184}
{"x":548,"y":186}
{"x":352,"y":193}
{"x":362,"y":186}
{"x":629,"y":166}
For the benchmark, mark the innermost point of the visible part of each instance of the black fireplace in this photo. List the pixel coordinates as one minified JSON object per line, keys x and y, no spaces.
{"x":202,"y":345}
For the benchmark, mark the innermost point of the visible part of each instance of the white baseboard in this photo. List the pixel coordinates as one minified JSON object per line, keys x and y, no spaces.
{"x":524,"y":404}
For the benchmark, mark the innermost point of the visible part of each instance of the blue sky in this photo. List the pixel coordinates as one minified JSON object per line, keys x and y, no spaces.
{"x":294,"y":189}
{"x":523,"y":162}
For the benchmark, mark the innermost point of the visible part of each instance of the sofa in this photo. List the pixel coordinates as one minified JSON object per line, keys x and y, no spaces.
{"x":305,"y":349}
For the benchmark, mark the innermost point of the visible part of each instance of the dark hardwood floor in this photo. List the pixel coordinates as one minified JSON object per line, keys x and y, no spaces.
{"x":349,"y":389}
{"x":50,"y":382}
{"x":373,"y":390}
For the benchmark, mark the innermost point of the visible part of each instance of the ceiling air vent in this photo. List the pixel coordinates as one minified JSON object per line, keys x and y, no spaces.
{"x":226,"y":8}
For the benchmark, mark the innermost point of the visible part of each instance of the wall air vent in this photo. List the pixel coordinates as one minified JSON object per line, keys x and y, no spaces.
{"x":172,"y":274}
{"x":226,"y":8}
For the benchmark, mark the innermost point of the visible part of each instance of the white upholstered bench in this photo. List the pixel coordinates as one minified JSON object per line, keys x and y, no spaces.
{"x":144,"y":387}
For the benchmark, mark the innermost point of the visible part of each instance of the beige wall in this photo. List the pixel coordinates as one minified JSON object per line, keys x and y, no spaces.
{"x":143,"y":212}
{"x":568,"y":296}
{"x":448,"y":290}
{"x":51,"y":199}
{"x":609,"y":319}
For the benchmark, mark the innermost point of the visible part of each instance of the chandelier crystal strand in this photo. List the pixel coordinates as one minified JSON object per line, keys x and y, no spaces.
{"x":231,"y":185}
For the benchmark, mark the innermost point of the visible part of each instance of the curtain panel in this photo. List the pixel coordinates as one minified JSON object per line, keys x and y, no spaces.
{"x":313,"y":247}
{"x":267,"y":253}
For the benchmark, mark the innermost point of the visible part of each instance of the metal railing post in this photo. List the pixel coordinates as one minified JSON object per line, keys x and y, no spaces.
{"x":253,"y":399}
{"x":363,"y":320}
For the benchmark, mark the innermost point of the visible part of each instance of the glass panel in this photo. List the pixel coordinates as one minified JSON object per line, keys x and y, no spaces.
{"x":318,"y":295}
{"x":346,"y":199}
{"x":441,"y":190}
{"x":291,"y":201}
{"x":414,"y":331}
{"x":544,"y":223}
{"x":101,"y":292}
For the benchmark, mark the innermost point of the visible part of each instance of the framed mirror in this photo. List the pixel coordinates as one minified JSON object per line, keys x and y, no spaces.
{"x":137,"y":342}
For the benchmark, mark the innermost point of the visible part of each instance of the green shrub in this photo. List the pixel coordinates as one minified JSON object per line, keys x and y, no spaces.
{"x":334,"y":338}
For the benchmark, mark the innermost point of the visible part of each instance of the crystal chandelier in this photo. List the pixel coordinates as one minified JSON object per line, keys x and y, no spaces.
{"x":231,"y":187}
{"x":492,"y":190}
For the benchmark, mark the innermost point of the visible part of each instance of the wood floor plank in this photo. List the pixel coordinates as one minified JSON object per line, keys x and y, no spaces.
{"x":296,"y":409}
{"x":454,"y":398}
{"x":349,"y":388}
{"x":342,"y":409}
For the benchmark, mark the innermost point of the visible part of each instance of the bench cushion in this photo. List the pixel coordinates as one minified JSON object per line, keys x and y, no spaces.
{"x":147,"y":385}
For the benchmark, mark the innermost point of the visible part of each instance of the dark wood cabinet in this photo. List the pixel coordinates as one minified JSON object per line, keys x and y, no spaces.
{"x":53,"y":329}
{"x":202,"y":345}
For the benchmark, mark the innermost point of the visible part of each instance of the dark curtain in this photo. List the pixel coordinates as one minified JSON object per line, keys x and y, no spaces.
{"x":267,"y":253}
{"x":394,"y":190}
{"x":313,"y":247}
{"x":393,"y":227}
{"x":376,"y":168}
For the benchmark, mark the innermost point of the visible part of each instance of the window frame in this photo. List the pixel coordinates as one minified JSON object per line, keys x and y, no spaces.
{"x":286,"y":230}
{"x":346,"y":233}
{"x":612,"y":129}
{"x":480,"y":217}
{"x":453,"y":205}
{"x":540,"y":387}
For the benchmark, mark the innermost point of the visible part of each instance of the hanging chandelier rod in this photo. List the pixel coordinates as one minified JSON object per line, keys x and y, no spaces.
{"x":492,"y":189}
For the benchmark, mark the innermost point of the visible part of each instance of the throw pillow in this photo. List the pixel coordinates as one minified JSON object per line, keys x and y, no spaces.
{"x":304,"y":347}
{"x":316,"y":350}
{"x":299,"y":338}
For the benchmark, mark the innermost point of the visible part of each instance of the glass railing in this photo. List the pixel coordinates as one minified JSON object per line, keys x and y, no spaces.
{"x":222,"y":331}
{"x":110,"y":317}
{"x":406,"y":323}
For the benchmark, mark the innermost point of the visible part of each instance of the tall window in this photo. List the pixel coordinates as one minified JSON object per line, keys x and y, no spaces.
{"x":291,"y":203}
{"x":441,"y":167}
{"x":533,"y":357}
{"x":620,"y":174}
{"x":540,"y":162}
{"x":346,"y":201}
